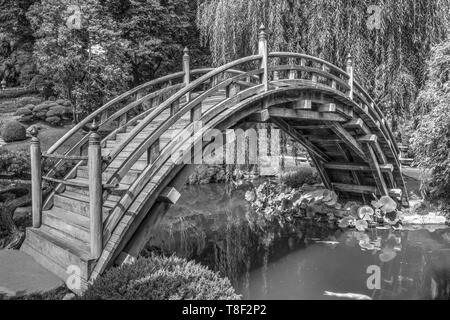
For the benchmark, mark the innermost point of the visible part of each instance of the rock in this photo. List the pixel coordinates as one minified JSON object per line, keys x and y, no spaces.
{"x":69,"y":296}
{"x":431,"y":218}
{"x":21,"y":213}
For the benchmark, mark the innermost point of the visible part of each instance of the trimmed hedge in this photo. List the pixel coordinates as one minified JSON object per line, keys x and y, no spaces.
{"x":13,"y":131}
{"x":161,"y":278}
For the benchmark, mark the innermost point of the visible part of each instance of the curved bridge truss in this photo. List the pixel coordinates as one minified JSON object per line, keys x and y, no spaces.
{"x":316,"y":103}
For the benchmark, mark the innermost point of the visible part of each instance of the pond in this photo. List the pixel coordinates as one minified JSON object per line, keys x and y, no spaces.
{"x":303,"y":260}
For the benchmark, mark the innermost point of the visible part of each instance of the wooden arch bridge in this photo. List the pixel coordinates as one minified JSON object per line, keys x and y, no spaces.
{"x":101,"y":213}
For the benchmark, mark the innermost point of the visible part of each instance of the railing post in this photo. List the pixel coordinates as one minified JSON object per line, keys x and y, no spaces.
{"x":36,"y":178}
{"x":95,"y":192}
{"x":263,"y":51}
{"x":350,"y":72}
{"x":187,"y":71}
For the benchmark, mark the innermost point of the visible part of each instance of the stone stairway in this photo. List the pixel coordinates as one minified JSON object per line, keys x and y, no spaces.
{"x":62,"y":242}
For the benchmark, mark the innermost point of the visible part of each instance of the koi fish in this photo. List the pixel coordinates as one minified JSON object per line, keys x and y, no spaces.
{"x":352,"y":296}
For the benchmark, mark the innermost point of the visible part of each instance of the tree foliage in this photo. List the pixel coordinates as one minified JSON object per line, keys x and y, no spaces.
{"x":85,"y":64}
{"x":120,"y":44}
{"x":431,"y":129}
{"x":389,"y":61}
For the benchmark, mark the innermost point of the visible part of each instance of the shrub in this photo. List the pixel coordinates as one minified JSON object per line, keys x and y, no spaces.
{"x":58,"y":111}
{"x":26,"y":119}
{"x":299,"y":177}
{"x":13,"y":131}
{"x":30,"y":107}
{"x":41,"y":107}
{"x":29,"y":100}
{"x":205,"y":174}
{"x":53,"y":120}
{"x":23,"y":112}
{"x":40,"y":115}
{"x":16,"y":164}
{"x":161,"y":278}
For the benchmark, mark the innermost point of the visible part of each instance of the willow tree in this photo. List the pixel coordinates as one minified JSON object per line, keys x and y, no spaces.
{"x":389,"y":58}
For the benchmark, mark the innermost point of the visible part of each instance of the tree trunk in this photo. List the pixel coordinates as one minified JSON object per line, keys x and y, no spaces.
{"x":15,"y":235}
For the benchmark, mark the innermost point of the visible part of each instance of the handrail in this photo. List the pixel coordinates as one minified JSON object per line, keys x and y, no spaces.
{"x":126,"y":165}
{"x":123,"y":96}
{"x":308,"y":57}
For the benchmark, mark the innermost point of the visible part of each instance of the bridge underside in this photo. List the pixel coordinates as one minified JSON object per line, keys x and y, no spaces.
{"x":352,"y":154}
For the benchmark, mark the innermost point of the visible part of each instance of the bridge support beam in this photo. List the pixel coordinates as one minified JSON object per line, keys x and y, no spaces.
{"x":348,"y":139}
{"x":375,"y":168}
{"x":312,"y":149}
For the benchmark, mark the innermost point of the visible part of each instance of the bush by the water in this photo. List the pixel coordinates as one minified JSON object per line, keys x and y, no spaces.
{"x":13,"y":131}
{"x":298,"y":178}
{"x":161,"y":278}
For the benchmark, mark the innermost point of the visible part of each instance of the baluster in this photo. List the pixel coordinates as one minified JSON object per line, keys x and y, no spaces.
{"x":350,"y":72}
{"x":262,"y":45}
{"x":276,"y":75}
{"x":174,"y":107}
{"x":233,"y":89}
{"x":36,"y":178}
{"x":314,"y":75}
{"x":303,"y":64}
{"x":104,"y":117}
{"x":153,"y":152}
{"x":327,"y":70}
{"x":187,"y":71}
{"x":95,"y":192}
{"x":196,"y":115}
{"x":123,"y":119}
{"x":292,"y":73}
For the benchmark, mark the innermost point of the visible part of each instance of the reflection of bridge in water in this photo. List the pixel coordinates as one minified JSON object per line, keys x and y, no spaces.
{"x":102,"y":211}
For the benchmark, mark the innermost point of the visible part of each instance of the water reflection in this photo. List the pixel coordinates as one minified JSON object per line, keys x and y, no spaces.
{"x":302,"y":260}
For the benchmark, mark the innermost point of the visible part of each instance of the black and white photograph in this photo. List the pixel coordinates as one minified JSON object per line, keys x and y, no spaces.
{"x":230,"y":152}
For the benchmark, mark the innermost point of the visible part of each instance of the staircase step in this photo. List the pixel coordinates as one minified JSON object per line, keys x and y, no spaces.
{"x":78,"y":203}
{"x":129,"y":179}
{"x":70,"y":217}
{"x":57,"y":252}
{"x":138,"y":165}
{"x":61,"y":220}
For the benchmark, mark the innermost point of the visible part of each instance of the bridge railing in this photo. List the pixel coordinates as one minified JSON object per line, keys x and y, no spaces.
{"x":298,"y":66}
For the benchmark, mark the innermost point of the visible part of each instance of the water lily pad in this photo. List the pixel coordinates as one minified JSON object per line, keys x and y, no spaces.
{"x":347,"y":222}
{"x":361,"y":225}
{"x":387,"y":255}
{"x":366,"y":213}
{"x":385,"y":204}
